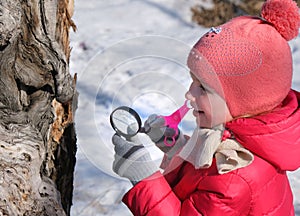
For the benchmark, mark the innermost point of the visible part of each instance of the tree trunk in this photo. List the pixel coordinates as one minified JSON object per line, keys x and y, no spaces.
{"x":224,"y":10}
{"x":37,"y":105}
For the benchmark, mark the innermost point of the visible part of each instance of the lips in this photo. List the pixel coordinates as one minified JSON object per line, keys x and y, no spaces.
{"x":197,"y":112}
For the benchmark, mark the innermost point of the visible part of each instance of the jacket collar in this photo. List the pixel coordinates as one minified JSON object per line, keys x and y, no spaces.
{"x":274,"y":136}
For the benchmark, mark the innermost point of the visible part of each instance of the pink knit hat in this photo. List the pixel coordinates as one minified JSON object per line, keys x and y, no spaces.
{"x":248,"y":60}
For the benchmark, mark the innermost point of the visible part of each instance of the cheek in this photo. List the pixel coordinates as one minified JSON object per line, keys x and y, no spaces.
{"x":194,"y":92}
{"x":205,"y":104}
{"x":218,"y":111}
{"x":218,"y":106}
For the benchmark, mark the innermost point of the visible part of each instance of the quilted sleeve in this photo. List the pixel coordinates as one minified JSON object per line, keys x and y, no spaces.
{"x":227,"y":194}
{"x":154,"y":196}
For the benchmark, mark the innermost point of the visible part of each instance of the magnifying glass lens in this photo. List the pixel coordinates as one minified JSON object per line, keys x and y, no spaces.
{"x":125,"y":121}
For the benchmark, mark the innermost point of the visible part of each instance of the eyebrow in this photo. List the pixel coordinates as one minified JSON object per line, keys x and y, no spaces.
{"x":206,"y":87}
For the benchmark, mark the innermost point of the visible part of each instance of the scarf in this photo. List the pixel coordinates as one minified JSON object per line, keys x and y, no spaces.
{"x":205,"y":144}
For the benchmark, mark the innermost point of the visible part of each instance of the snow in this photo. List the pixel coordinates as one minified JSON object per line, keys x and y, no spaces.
{"x":130,"y":52}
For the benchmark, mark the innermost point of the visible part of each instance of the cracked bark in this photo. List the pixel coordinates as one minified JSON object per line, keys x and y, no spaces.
{"x":37,"y":104}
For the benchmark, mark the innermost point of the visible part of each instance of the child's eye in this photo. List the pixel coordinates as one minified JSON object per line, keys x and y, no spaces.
{"x":202,"y":88}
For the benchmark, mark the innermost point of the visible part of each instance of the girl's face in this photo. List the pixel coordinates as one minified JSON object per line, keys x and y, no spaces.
{"x":209,"y":108}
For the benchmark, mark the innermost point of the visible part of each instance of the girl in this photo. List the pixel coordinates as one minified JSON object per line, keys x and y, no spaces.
{"x":248,"y":132}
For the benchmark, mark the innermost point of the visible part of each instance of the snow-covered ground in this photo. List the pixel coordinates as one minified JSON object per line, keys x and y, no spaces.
{"x":130,"y":52}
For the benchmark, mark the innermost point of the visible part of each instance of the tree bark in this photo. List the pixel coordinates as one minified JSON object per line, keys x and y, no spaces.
{"x":224,"y":10}
{"x":37,"y":104}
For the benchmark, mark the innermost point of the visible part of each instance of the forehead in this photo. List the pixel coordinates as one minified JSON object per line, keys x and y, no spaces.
{"x":201,"y":82}
{"x":193,"y":76}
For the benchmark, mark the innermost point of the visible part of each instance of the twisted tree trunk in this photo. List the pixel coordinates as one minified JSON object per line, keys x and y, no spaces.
{"x":37,"y":104}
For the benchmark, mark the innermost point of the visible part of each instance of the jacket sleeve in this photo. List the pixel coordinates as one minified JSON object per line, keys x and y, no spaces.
{"x":152,"y":196}
{"x":227,"y":194}
{"x":215,"y":197}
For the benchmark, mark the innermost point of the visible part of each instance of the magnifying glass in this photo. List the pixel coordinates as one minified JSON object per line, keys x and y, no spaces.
{"x":127,"y":122}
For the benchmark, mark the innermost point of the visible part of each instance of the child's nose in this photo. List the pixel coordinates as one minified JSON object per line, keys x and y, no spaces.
{"x":189,"y":96}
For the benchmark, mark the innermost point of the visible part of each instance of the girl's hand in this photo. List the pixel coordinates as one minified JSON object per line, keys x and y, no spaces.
{"x":156,"y":130}
{"x":132,"y":160}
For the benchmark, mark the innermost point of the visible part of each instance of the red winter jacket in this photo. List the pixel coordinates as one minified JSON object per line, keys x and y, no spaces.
{"x":262,"y":188}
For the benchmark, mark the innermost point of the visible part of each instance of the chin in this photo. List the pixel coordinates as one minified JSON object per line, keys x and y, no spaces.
{"x":203,"y":124}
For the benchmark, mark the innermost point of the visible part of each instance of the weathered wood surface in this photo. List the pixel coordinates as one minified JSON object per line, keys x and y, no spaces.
{"x":37,"y":104}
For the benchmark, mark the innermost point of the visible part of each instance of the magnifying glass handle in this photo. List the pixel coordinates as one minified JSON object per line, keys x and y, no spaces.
{"x":173,"y":120}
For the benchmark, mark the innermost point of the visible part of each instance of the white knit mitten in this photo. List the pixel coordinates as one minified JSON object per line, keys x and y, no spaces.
{"x":157,"y":131}
{"x":132,"y":160}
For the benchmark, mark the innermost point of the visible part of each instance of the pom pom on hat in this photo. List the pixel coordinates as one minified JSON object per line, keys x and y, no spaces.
{"x":284,"y":15}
